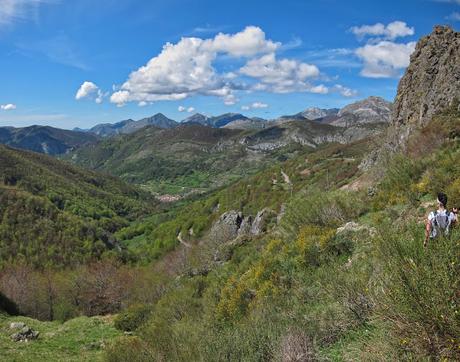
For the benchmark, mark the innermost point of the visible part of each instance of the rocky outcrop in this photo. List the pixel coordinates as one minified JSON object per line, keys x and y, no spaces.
{"x":226,"y":227}
{"x":261,"y":221}
{"x":430,"y":84}
{"x":366,"y":111}
{"x":234,"y":224}
{"x":25,"y":334}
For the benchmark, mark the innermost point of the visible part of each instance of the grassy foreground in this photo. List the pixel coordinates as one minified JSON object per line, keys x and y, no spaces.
{"x":79,"y":339}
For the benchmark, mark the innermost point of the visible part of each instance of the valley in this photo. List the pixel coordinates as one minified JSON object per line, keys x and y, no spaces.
{"x":238,"y":238}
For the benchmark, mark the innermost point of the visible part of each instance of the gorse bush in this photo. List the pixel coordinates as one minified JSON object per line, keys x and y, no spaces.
{"x":132,"y":317}
{"x":418,"y":296}
{"x":323,"y":209}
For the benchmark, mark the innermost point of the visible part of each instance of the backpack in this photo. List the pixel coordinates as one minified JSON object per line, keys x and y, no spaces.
{"x":440,"y":224}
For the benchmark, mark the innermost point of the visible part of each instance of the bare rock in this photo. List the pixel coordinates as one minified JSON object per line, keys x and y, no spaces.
{"x":227,"y":227}
{"x":26,"y":334}
{"x":17,"y":325}
{"x":262,"y":220}
{"x":430,"y":84}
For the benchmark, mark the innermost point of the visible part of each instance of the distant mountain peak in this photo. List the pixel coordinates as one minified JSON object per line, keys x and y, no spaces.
{"x":129,"y":126}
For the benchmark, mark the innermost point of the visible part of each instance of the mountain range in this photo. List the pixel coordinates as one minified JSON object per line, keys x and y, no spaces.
{"x":45,"y":139}
{"x":369,"y":110}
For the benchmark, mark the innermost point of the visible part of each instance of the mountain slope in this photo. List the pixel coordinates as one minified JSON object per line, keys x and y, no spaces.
{"x":217,"y":121}
{"x":195,"y":157}
{"x":130,"y":126}
{"x":369,"y":110}
{"x":314,"y":113}
{"x":53,"y":211}
{"x":45,"y":139}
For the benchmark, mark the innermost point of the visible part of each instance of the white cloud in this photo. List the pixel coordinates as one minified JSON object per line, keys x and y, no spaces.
{"x":249,"y":42}
{"x":455,"y":16}
{"x":86,"y":89}
{"x":8,"y":107}
{"x":385,"y":59}
{"x":280,"y":76}
{"x":255,"y":105}
{"x":391,"y":31}
{"x":345,"y":91}
{"x":186,"y":68}
{"x":12,"y":11}
{"x":142,"y":104}
{"x":184,"y":109}
{"x":91,"y":91}
{"x":258,"y":105}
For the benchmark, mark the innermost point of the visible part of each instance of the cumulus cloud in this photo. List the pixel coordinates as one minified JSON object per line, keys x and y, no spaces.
{"x":190,"y":109}
{"x":249,"y":42}
{"x":186,"y":68}
{"x":8,"y":107}
{"x":385,"y":58}
{"x":281,"y":75}
{"x":391,"y":31}
{"x":181,"y":109}
{"x":91,"y":91}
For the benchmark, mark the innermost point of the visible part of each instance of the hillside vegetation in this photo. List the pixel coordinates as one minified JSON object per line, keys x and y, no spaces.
{"x":52,"y":212}
{"x":193,"y":158}
{"x":319,"y":286}
{"x":336,"y":274}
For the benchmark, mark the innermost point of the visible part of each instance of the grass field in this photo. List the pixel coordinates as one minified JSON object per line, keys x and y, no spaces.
{"x":79,"y":339}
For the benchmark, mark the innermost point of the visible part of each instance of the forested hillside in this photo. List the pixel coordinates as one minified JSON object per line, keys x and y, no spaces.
{"x":54,"y":212}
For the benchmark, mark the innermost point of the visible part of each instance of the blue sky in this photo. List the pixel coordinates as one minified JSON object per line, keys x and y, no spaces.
{"x":82,"y":62}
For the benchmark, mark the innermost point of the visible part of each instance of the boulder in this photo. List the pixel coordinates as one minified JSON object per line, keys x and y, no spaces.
{"x":26,"y":334}
{"x":17,"y":325}
{"x":227,"y":227}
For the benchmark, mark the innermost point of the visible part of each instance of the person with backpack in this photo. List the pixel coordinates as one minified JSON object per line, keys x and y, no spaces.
{"x":440,"y":221}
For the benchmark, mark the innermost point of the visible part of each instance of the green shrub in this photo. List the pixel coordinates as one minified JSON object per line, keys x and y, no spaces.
{"x":131,"y":349}
{"x":133,"y":317}
{"x":419,"y":298}
{"x":321,"y":209}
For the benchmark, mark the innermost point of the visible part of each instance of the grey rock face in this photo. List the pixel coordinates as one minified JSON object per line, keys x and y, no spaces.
{"x":313,"y":113}
{"x":227,"y":227}
{"x":430,"y":84}
{"x":369,"y":110}
{"x":261,"y":221}
{"x":234,"y":224}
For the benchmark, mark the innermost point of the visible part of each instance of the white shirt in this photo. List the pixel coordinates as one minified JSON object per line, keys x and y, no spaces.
{"x":452,"y":219}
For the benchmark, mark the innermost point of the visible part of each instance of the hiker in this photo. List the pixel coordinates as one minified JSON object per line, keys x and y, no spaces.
{"x":441,"y":220}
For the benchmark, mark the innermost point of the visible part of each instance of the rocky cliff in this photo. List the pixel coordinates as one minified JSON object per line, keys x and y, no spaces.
{"x":430,"y":84}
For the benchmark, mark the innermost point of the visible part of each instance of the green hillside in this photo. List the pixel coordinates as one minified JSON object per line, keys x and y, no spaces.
{"x":193,"y":158}
{"x":307,"y":287}
{"x":45,"y":139}
{"x":51,"y":211}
